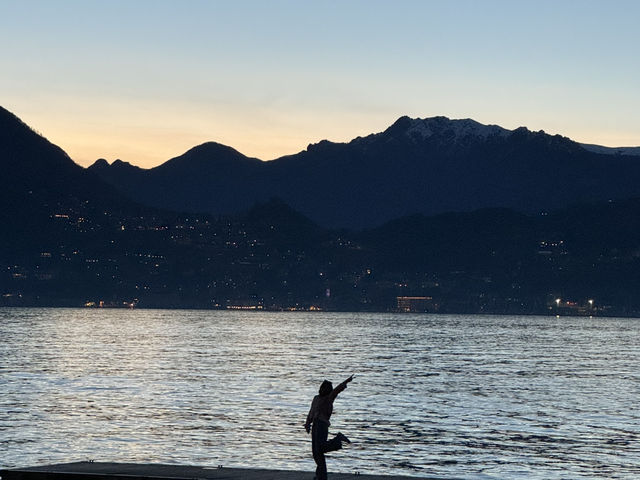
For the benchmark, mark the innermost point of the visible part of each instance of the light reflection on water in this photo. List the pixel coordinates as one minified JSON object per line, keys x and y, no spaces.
{"x":452,"y":396}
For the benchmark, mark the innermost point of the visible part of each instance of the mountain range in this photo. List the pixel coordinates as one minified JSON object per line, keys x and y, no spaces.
{"x":123,"y":235}
{"x":416,"y":166}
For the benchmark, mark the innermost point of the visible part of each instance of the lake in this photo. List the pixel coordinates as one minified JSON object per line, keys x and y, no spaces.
{"x":477,"y":397}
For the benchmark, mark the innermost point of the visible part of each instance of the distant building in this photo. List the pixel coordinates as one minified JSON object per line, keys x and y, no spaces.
{"x":415,"y":304}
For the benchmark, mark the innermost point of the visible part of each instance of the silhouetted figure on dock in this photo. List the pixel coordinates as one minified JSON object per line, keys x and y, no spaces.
{"x":318,"y":423}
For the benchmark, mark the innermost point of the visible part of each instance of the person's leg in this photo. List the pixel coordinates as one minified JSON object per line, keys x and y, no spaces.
{"x":332,"y":445}
{"x":319,"y":433}
{"x":321,"y":466}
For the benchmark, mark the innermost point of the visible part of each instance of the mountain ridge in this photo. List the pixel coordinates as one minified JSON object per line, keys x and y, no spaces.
{"x":425,"y":166}
{"x":495,"y":129}
{"x":415,"y":166}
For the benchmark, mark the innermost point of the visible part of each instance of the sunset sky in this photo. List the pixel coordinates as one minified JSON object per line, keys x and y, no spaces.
{"x":144,"y":81}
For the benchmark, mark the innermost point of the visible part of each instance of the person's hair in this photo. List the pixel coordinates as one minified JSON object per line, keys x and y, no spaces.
{"x":326,"y":388}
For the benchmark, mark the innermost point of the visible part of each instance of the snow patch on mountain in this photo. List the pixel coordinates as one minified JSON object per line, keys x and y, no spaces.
{"x":452,"y":129}
{"x":611,"y":150}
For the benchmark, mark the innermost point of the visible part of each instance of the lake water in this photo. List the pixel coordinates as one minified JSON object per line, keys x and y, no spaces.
{"x":474,"y":397}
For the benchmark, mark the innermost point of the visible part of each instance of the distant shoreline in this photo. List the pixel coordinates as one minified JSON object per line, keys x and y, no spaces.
{"x":320,"y":311}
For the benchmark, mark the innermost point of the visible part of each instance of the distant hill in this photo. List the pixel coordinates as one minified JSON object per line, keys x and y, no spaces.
{"x":38,"y":181}
{"x":35,"y":171}
{"x":416,"y":166}
{"x":31,"y":165}
{"x":42,"y":190}
{"x":209,"y":178}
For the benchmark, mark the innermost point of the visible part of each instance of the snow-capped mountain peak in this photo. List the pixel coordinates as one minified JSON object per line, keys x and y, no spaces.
{"x":421,"y":129}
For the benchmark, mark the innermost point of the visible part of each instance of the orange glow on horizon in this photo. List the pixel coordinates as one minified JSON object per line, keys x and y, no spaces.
{"x":147,"y":135}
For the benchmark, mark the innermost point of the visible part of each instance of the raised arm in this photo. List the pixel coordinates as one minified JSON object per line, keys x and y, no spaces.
{"x":340,"y":387}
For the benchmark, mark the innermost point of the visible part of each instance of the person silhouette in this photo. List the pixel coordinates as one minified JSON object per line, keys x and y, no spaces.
{"x":318,"y":424}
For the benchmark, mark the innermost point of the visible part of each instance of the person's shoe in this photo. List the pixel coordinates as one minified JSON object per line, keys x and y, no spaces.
{"x":342,"y":438}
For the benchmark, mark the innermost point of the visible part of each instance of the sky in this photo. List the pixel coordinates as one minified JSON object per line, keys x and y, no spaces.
{"x":145,"y":80}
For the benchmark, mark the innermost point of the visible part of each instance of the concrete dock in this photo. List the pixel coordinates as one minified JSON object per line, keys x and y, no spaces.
{"x":135,"y":471}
